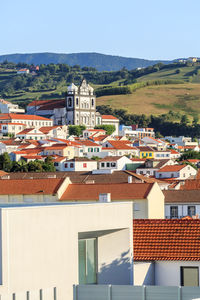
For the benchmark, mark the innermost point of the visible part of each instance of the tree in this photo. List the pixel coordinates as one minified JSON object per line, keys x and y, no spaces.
{"x":184,"y":120}
{"x":108,"y":128}
{"x":5,"y":162}
{"x":48,"y":165}
{"x":76,"y":130}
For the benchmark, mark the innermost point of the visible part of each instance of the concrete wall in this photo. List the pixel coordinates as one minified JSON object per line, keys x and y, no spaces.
{"x":40,"y":244}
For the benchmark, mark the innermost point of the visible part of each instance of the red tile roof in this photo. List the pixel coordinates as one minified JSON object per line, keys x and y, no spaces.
{"x":182,"y":196}
{"x":120,"y":191}
{"x":29,"y":186}
{"x":173,"y":168}
{"x":108,"y":117}
{"x":166,"y":239}
{"x":22,"y":117}
{"x":121,"y":145}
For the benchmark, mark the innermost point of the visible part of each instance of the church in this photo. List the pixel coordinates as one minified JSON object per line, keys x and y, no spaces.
{"x":77,"y":108}
{"x":81,"y":106}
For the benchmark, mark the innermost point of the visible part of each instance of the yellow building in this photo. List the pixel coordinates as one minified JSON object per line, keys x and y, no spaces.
{"x":146,"y":152}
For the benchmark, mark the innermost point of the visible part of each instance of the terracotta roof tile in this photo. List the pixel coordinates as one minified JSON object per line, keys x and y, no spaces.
{"x":22,"y":117}
{"x":121,"y":191}
{"x":173,"y":168}
{"x":29,"y":186}
{"x":166,"y":239}
{"x":108,"y":117}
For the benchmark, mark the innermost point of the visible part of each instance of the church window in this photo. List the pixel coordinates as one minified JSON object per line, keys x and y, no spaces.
{"x":77,"y":101}
{"x":92,"y":102}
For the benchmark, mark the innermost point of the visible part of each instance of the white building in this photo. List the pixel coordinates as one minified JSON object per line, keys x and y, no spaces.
{"x":111,"y":120}
{"x":29,"y":120}
{"x":180,"y":172}
{"x":75,"y":164}
{"x":8,"y":107}
{"x":45,"y":249}
{"x":113,"y":163}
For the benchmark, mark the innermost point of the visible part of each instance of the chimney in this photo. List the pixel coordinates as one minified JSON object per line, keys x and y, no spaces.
{"x":103,"y":198}
{"x":130,"y":179}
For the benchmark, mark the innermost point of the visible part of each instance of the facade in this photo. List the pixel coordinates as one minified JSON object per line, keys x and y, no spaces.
{"x":29,"y":120}
{"x":180,"y":172}
{"x":75,"y":164}
{"x":182,"y":203}
{"x":114,"y":163}
{"x":44,"y":246}
{"x":81,"y":105}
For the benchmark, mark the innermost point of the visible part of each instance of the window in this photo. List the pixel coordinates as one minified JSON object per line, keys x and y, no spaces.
{"x":190,"y":276}
{"x":173,"y":212}
{"x":87,"y":254}
{"x":70,"y":102}
{"x":191,"y":210}
{"x":92,"y":102}
{"x":107,"y":164}
{"x":102,"y":165}
{"x":84,"y":165}
{"x":150,"y":154}
{"x":55,"y":164}
{"x":113,"y":164}
{"x":66,"y":165}
{"x":77,"y":101}
{"x":71,"y":165}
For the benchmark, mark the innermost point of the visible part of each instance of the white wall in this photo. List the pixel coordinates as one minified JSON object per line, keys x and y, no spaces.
{"x":40,"y":243}
{"x":167,"y":273}
{"x":144,"y":273}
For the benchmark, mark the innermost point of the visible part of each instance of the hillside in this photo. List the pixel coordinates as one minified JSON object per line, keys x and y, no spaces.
{"x":158,"y":99}
{"x":152,"y":90}
{"x":101,"y":62}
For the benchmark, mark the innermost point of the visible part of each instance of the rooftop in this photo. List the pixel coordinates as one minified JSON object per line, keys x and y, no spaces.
{"x":166,"y":239}
{"x":120,"y":191}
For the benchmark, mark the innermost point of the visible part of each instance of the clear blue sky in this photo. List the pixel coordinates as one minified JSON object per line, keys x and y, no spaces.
{"x":152,"y":29}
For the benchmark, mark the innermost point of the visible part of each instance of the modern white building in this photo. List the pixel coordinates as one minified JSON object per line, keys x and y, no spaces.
{"x":51,"y":247}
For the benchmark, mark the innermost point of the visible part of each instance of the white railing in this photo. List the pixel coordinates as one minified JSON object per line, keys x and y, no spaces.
{"x":128,"y":292}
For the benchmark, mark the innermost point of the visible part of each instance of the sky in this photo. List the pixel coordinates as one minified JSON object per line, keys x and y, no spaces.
{"x":150,"y":29}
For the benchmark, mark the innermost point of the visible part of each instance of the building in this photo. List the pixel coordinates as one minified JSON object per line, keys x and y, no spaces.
{"x":45,"y":249}
{"x":75,"y":164}
{"x":147,"y":198}
{"x":180,"y":172}
{"x":166,"y":252}
{"x":8,"y":107}
{"x":29,"y":120}
{"x":81,"y":106}
{"x":111,"y":120}
{"x":23,"y":71}
{"x":53,"y":109}
{"x":182,"y":203}
{"x":113,"y":163}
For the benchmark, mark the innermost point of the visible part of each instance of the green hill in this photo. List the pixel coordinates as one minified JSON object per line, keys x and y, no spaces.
{"x":101,"y":62}
{"x":152,"y":90}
